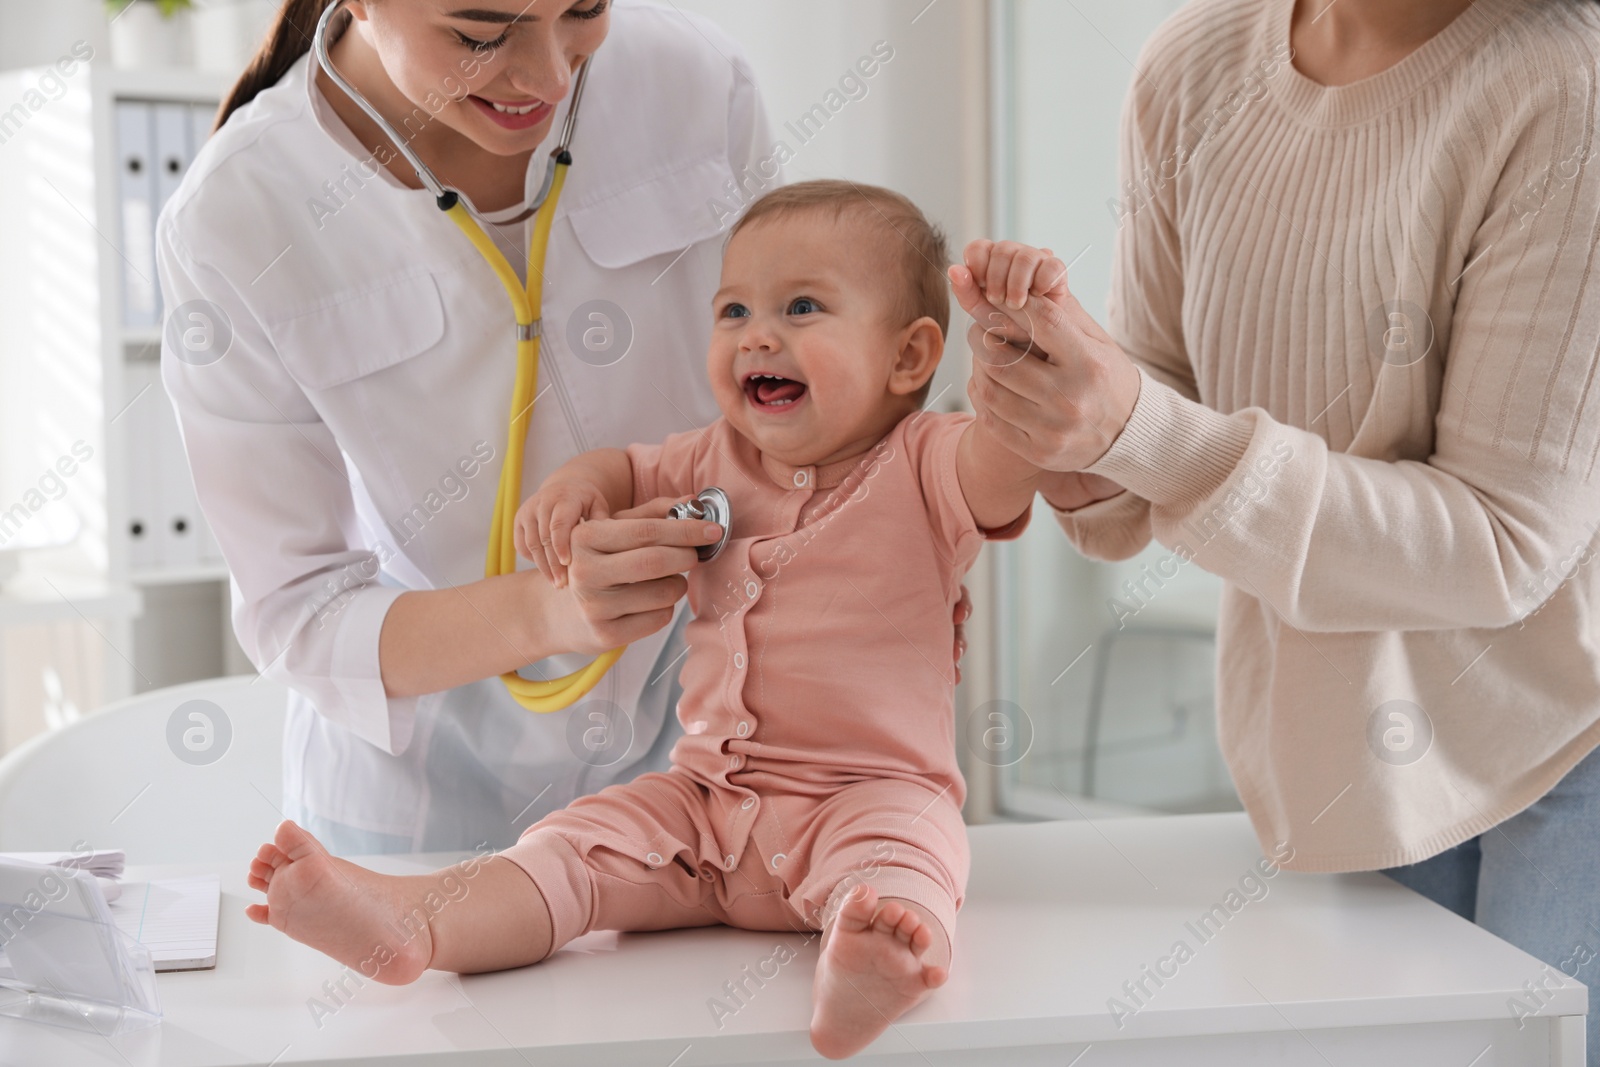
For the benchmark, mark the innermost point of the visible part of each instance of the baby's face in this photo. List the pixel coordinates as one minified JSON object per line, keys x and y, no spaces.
{"x":804,"y":350}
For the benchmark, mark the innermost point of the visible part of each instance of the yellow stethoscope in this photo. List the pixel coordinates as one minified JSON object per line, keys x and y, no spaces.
{"x":557,"y":693}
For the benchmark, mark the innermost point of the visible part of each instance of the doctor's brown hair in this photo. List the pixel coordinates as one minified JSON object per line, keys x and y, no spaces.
{"x":287,"y":40}
{"x":917,"y":246}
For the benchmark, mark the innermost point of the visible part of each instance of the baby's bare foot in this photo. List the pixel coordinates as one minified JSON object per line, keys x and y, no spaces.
{"x":365,"y":920}
{"x":871,"y":972}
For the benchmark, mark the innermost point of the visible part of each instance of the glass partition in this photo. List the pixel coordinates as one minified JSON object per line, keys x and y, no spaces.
{"x":1106,"y":669}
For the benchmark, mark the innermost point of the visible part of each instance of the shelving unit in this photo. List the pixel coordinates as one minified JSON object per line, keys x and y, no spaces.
{"x":66,"y":365}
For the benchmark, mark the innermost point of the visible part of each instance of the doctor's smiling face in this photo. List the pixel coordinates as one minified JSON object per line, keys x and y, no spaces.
{"x":819,"y":346}
{"x":491,"y":71}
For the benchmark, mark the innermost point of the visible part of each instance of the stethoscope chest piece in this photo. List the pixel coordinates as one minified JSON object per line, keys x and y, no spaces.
{"x":711,"y":505}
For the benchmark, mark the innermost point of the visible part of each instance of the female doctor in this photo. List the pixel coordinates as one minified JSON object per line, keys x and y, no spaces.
{"x":345,"y":416}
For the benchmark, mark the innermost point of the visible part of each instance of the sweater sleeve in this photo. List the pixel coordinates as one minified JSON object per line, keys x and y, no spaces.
{"x":1467,"y":535}
{"x":1109,"y":530}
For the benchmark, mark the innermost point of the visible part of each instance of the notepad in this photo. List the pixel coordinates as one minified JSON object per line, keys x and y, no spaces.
{"x":175,"y":918}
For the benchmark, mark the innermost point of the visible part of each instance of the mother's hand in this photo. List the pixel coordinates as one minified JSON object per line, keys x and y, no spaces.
{"x":1046,"y":379}
{"x":625,"y":577}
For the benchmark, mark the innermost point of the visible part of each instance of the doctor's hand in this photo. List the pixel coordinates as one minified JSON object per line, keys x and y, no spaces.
{"x":545,"y":521}
{"x":625,"y":577}
{"x":1047,"y":381}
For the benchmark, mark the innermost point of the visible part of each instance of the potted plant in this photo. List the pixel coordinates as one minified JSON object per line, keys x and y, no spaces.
{"x":151,"y":33}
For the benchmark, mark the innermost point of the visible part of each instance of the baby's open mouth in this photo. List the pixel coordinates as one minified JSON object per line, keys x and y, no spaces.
{"x":772,"y":392}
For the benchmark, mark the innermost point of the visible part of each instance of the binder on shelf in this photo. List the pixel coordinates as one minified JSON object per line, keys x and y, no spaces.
{"x":137,"y":196}
{"x":201,"y":116}
{"x":157,"y":143}
{"x":173,"y":149}
{"x":178,"y":539}
{"x":165,"y":527}
{"x":141,"y":440}
{"x":173,"y":153}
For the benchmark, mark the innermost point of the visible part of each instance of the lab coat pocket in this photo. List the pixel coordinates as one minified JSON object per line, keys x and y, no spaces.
{"x":360,"y":331}
{"x":666,"y":213}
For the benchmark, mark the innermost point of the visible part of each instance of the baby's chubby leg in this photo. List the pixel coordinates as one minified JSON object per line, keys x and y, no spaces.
{"x":888,"y":866}
{"x":480,"y":915}
{"x":879,"y":959}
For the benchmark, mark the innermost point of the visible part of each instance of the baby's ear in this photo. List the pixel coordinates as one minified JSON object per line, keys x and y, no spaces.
{"x":921,"y":347}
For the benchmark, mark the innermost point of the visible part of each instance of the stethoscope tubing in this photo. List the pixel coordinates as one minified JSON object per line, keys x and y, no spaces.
{"x":500,"y":557}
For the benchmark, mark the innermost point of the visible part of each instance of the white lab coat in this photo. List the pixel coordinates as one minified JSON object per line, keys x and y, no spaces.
{"x":347,"y":446}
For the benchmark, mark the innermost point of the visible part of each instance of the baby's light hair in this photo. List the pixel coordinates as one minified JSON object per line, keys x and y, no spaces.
{"x":918,"y":245}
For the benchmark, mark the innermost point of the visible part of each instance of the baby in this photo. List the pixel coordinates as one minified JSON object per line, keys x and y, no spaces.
{"x":816,"y":788}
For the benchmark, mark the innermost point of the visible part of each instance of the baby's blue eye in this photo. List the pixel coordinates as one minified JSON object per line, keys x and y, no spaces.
{"x":736,"y":311}
{"x":804,"y":305}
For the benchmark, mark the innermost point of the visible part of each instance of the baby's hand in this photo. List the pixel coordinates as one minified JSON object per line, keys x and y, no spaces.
{"x":546,"y":520}
{"x":1006,"y":272}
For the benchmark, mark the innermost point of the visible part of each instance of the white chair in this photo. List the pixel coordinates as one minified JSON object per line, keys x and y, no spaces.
{"x":189,"y":773}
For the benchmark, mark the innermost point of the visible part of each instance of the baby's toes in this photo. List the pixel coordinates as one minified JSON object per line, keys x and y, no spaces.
{"x":271,"y":855}
{"x":898,"y":921}
{"x":261,"y":873}
{"x":859,"y":911}
{"x":889,"y":915}
{"x":294,"y":842}
{"x":921,"y":938}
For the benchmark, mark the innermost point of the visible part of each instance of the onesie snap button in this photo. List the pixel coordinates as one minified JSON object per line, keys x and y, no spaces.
{"x":779,"y":858}
{"x":730,"y":863}
{"x":654,"y":859}
{"x":801,"y":479}
{"x":747,"y":803}
{"x":744,"y":728}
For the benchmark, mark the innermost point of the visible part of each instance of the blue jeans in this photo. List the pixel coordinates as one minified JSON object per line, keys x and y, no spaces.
{"x":1533,"y":880}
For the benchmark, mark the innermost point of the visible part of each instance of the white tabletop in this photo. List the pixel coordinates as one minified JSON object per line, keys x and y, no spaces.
{"x":1058,"y":917}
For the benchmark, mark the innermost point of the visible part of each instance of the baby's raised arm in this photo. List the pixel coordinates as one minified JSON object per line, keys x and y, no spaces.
{"x":999,"y":484}
{"x":1005,"y":274}
{"x":590,"y":486}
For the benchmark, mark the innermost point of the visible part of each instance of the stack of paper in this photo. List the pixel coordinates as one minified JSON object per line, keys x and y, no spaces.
{"x":175,"y":918}
{"x":102,"y":863}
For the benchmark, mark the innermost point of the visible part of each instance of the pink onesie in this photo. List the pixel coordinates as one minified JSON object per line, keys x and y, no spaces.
{"x":817,"y":701}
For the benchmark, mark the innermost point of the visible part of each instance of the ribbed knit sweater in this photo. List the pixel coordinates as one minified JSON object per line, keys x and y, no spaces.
{"x":1368,"y":324}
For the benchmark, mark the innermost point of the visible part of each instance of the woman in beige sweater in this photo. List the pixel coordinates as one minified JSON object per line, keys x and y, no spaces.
{"x":1354,"y":336}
